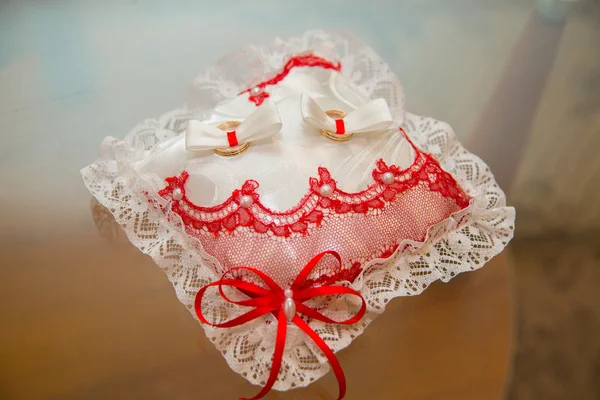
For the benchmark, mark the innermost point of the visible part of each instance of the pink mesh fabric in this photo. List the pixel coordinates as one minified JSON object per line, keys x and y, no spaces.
{"x":357,"y":237}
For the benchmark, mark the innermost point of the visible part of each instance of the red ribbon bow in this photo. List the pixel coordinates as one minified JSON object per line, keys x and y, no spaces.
{"x":271,"y":300}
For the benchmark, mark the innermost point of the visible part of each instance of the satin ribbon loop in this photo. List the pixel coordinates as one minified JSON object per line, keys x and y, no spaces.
{"x":268,"y":297}
{"x":371,"y":117}
{"x":264,"y":122}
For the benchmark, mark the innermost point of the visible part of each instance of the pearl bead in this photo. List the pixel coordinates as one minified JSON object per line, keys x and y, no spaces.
{"x":246,"y":201}
{"x":326,"y":190}
{"x":289,"y":293}
{"x":289,"y":309}
{"x":388,"y":178}
{"x":256,"y":90}
{"x":177,"y":194}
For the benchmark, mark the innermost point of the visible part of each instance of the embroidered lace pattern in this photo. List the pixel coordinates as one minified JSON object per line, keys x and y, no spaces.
{"x":306,"y":60}
{"x":230,"y":216}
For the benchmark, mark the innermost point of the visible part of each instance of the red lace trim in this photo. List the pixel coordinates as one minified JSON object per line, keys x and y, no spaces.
{"x":307,"y":60}
{"x":348,"y":274}
{"x":230,"y":215}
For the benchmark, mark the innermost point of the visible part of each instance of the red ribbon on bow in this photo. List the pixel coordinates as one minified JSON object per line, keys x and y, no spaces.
{"x":271,"y":300}
{"x":232,"y":138}
{"x":340,"y":126}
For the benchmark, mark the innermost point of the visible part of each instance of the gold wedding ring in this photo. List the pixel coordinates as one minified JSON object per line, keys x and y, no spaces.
{"x":230,"y":126}
{"x":335,"y":114}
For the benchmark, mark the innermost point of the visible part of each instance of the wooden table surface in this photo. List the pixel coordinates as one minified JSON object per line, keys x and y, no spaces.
{"x":87,"y":318}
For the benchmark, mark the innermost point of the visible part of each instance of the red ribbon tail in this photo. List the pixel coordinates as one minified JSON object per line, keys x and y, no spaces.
{"x":333,"y":361}
{"x":277,"y":356}
{"x":266,"y":300}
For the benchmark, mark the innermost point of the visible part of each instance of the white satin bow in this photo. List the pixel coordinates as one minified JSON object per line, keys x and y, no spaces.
{"x":371,"y":117}
{"x":262,"y":123}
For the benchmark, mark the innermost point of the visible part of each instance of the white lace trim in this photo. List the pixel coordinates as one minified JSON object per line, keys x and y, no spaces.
{"x":463,"y":242}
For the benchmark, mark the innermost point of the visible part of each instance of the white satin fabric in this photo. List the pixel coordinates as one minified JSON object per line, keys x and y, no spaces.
{"x":371,"y":117}
{"x":262,"y":123}
{"x":283,"y":163}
